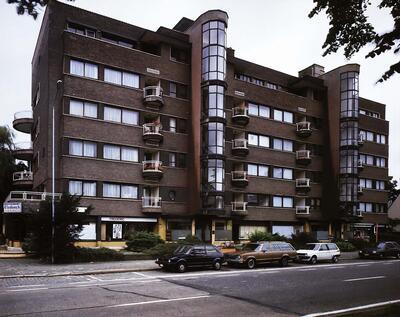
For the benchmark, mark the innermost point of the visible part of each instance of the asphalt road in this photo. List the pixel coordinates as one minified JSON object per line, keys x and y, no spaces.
{"x":268,"y":291}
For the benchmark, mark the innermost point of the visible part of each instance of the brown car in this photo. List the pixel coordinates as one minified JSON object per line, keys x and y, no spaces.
{"x":262,"y":252}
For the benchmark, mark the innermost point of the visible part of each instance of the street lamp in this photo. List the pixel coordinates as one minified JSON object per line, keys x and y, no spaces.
{"x":53,"y":214}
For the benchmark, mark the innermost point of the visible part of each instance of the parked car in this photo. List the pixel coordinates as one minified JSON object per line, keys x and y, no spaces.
{"x":314,"y":252}
{"x":253,"y":254}
{"x":186,"y":256}
{"x":382,"y":250}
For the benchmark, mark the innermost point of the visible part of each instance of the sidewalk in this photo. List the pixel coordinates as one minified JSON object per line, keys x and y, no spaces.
{"x":27,"y":267}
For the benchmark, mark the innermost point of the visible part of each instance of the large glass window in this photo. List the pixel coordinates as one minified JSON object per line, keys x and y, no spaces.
{"x":83,"y":108}
{"x":121,"y":78}
{"x":121,"y":115}
{"x":84,"y":69}
{"x":214,"y":134}
{"x":258,"y":140}
{"x":348,"y":161}
{"x":213,"y":101}
{"x":257,"y":170}
{"x":282,"y":202}
{"x":284,"y":173}
{"x":348,"y":189}
{"x":283,"y":145}
{"x":82,"y":148}
{"x":214,"y":175}
{"x":214,"y":51}
{"x":349,"y":95}
{"x":349,"y":133}
{"x":82,"y":188}
{"x":116,"y":152}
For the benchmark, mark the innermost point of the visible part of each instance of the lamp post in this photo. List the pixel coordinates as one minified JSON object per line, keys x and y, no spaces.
{"x":53,"y":169}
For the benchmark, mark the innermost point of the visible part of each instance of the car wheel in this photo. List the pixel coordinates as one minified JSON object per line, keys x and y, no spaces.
{"x":284,"y":261}
{"x":335,"y":259}
{"x":313,"y":260}
{"x":217,"y":265}
{"x":251,"y":263}
{"x":182,"y":267}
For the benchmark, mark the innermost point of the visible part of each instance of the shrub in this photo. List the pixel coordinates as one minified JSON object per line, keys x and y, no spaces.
{"x":265,"y":236}
{"x":191,"y":239}
{"x":360,"y":243}
{"x":345,"y":246}
{"x":93,"y":255}
{"x":300,"y":240}
{"x":142,"y":240}
{"x":161,"y":250}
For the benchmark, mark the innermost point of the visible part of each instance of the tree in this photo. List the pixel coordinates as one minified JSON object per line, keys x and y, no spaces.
{"x":394,"y":192}
{"x":68,"y":226}
{"x":349,"y":28}
{"x":29,"y":6}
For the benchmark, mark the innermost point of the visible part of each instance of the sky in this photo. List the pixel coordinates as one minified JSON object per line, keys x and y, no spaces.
{"x":275,"y":34}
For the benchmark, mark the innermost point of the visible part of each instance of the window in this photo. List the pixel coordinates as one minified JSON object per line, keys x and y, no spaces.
{"x":368,"y":159}
{"x":282,"y":202}
{"x":278,"y":115}
{"x":172,"y":89}
{"x":129,"y":154}
{"x":82,"y":148}
{"x":283,"y":173}
{"x":172,"y":124}
{"x":258,"y":140}
{"x":365,"y":183}
{"x":257,"y":170}
{"x":259,"y":110}
{"x":120,"y":191}
{"x":83,"y":108}
{"x":84,"y":69}
{"x":112,"y":114}
{"x":214,"y":177}
{"x":130,"y":117}
{"x":82,"y":188}
{"x":214,"y":138}
{"x":79,"y":29}
{"x":380,"y":138}
{"x":258,"y":200}
{"x":121,"y":78}
{"x":349,"y":95}
{"x":129,"y":191}
{"x":365,"y":207}
{"x":172,"y":159}
{"x":380,"y":185}
{"x":283,"y":145}
{"x":213,"y":101}
{"x":284,"y":116}
{"x":112,"y":152}
{"x":179,"y":55}
{"x":121,"y":115}
{"x":380,"y":162}
{"x":115,"y":152}
{"x":367,"y":135}
{"x":214,"y":51}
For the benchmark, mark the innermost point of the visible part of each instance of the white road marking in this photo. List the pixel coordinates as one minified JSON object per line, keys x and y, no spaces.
{"x":346,"y":310}
{"x":28,"y":285}
{"x":158,"y":301}
{"x":388,"y":263}
{"x":333,"y":267}
{"x":305,"y":270}
{"x":269,"y":272}
{"x":142,"y":275}
{"x":27,"y":289}
{"x":364,"y":265}
{"x":95,"y":278}
{"x":364,"y":278}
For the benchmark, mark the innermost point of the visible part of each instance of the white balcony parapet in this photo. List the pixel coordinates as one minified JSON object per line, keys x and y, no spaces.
{"x":23,"y":176}
{"x":239,"y":205}
{"x":153,"y":166}
{"x":360,"y":189}
{"x":151,"y":202}
{"x":152,"y":92}
{"x":27,"y":114}
{"x":303,"y":126}
{"x":303,"y":182}
{"x":239,"y":111}
{"x":239,"y":144}
{"x":30,"y":196}
{"x":152,"y":128}
{"x":23,"y":146}
{"x":239,"y":175}
{"x":302,"y":210}
{"x":303,"y":154}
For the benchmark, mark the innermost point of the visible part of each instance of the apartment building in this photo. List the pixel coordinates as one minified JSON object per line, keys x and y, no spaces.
{"x":170,"y":132}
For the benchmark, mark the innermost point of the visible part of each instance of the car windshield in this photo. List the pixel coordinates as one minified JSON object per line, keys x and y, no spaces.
{"x":251,"y":247}
{"x":380,"y":246}
{"x":311,"y":247}
{"x":182,"y":249}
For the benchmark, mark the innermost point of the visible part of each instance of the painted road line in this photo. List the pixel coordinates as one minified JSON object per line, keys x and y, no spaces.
{"x":333,"y":267}
{"x":142,"y":275}
{"x":353,"y":309}
{"x":364,"y":278}
{"x":269,"y":272}
{"x":305,"y":270}
{"x":388,"y":263}
{"x":28,"y":285}
{"x":95,"y":278}
{"x":158,"y":301}
{"x":364,"y":265}
{"x":27,"y":289}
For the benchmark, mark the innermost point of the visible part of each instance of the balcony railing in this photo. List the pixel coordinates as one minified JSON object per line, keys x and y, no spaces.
{"x":23,"y":176}
{"x":239,"y":175}
{"x":23,"y":146}
{"x":239,"y":206}
{"x":303,"y":128}
{"x":358,"y":213}
{"x":152,"y":166}
{"x":302,"y":182}
{"x":30,"y":196}
{"x":303,"y":155}
{"x":27,"y":114}
{"x":360,"y":139}
{"x":239,"y":144}
{"x":23,"y":151}
{"x":239,"y":111}
{"x":152,"y":128}
{"x":23,"y":121}
{"x":151,"y":202}
{"x":360,"y":189}
{"x":302,"y":210}
{"x":360,"y":164}
{"x":153,"y":96}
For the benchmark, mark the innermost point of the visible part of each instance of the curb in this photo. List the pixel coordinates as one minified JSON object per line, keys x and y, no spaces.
{"x":80,"y":273}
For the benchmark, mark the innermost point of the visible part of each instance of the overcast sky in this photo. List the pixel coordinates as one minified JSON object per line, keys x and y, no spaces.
{"x":275,"y":34}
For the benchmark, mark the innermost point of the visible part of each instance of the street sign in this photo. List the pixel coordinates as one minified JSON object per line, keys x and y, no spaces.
{"x":12,"y":208}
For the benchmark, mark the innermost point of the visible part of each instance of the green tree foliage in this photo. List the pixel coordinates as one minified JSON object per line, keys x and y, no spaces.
{"x":265,"y":236}
{"x":394,"y":192}
{"x":30,"y":7}
{"x":68,"y":226}
{"x":349,"y":28}
{"x":142,"y":240}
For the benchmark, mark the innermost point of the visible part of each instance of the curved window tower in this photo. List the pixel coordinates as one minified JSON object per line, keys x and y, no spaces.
{"x":213,"y":115}
{"x":348,"y":175}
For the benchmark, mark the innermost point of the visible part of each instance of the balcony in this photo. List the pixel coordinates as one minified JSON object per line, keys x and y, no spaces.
{"x":151,"y":204}
{"x":239,"y":208}
{"x":23,"y":179}
{"x":239,"y":178}
{"x":152,"y":133}
{"x":30,"y":196}
{"x":239,"y":147}
{"x":360,"y":139}
{"x":153,"y":97}
{"x":302,"y":211}
{"x":360,"y":165}
{"x":360,"y":190}
{"x":23,"y":151}
{"x":358,"y":213}
{"x":303,"y":157}
{"x":23,"y":121}
{"x":240,"y":115}
{"x":303,"y":184}
{"x":152,"y":170}
{"x":303,"y":129}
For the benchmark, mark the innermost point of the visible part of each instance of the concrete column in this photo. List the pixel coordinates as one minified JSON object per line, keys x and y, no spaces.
{"x":330,"y":233}
{"x":307,"y":227}
{"x":213,"y":231}
{"x":103,"y":232}
{"x":162,"y":228}
{"x":193,"y":227}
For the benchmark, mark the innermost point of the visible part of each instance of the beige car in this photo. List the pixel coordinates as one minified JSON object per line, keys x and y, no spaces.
{"x":256,"y":253}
